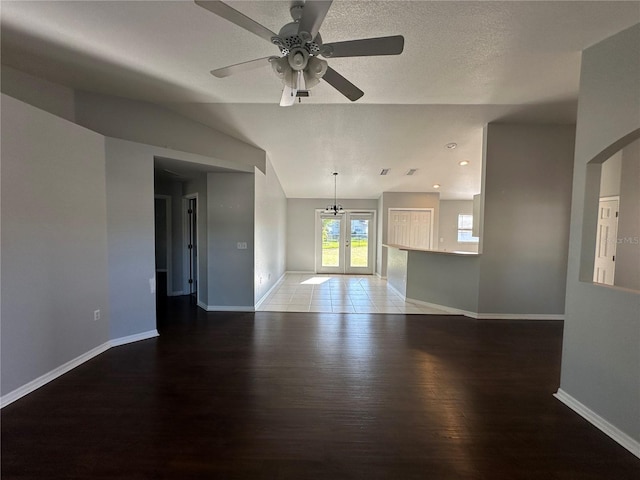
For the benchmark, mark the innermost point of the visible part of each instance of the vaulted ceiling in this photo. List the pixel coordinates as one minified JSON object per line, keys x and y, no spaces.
{"x":464,"y":64}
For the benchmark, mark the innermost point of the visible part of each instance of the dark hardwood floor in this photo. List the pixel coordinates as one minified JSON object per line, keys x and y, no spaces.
{"x":313,"y":396}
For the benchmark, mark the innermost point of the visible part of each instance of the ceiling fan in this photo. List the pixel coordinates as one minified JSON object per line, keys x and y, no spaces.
{"x":299,"y":66}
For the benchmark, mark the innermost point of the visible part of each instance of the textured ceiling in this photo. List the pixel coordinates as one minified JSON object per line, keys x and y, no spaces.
{"x":464,"y":64}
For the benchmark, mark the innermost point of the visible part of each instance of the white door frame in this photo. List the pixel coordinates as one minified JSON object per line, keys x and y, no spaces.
{"x":169,"y":270}
{"x":343,"y":268}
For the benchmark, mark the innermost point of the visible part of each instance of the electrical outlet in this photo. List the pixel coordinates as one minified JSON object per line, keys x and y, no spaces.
{"x":152,"y":285}
{"x":242,"y":245}
{"x":96,"y":315}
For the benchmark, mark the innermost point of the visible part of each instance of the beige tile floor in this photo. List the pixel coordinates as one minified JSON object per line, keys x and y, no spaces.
{"x":339,"y":294}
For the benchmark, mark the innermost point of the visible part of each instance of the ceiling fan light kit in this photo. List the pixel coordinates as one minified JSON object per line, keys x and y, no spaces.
{"x":300,"y":43}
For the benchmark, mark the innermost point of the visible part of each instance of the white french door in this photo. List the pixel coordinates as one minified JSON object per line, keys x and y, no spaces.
{"x":345,"y":242}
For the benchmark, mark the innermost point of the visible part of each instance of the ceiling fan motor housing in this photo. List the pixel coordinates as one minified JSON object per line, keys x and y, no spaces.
{"x":288,"y":39}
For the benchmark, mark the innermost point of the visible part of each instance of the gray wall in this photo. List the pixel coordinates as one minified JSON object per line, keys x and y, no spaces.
{"x":405,"y":200}
{"x":48,"y":96}
{"x":448,"y":227}
{"x":379,"y":237}
{"x":301,"y":216}
{"x":230,"y":218}
{"x":525,"y":230}
{"x":130,"y":236}
{"x":150,"y":124}
{"x":77,"y":209}
{"x":610,"y":176}
{"x":627,"y":273}
{"x":601,"y":358}
{"x":132,"y":120}
{"x":270,"y":231}
{"x":54,"y":243}
{"x":443,"y":279}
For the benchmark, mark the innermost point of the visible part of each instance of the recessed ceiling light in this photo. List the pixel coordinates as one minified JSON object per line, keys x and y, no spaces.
{"x":463,"y":163}
{"x":384,"y":171}
{"x":411,"y":171}
{"x":436,"y":185}
{"x":451,"y":145}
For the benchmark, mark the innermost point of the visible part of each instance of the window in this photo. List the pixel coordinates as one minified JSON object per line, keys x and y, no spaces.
{"x":465,"y":226}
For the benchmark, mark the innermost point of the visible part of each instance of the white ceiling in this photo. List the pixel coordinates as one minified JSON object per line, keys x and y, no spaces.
{"x":464,"y":64}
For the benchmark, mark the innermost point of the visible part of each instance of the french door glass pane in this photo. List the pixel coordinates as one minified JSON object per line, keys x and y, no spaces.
{"x":330,"y":242}
{"x":359,"y":243}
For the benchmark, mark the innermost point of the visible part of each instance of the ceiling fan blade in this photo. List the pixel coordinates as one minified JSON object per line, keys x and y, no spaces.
{"x":241,"y":67}
{"x":313,"y":15}
{"x":225,"y":11}
{"x":343,"y":85}
{"x":365,"y":47}
{"x":288,"y":96}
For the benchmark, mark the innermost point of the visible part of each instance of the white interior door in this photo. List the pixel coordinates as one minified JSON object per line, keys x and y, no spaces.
{"x":399,"y":227}
{"x":410,"y":227}
{"x":606,"y":241}
{"x":345,"y":243}
{"x":421,"y":229}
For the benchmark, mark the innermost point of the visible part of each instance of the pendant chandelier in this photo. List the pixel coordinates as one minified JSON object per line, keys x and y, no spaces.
{"x":335,"y":208}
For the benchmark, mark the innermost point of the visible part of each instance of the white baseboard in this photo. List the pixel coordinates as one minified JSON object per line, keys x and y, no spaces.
{"x":489,"y":316}
{"x":134,"y":338}
{"x":451,"y":310}
{"x":516,"y":316}
{"x":264,"y":297}
{"x":26,"y":389}
{"x":52,"y":375}
{"x":303,"y":272}
{"x":596,"y":420}
{"x":226,"y":308}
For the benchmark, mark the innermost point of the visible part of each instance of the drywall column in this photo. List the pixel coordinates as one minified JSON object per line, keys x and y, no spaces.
{"x":230,"y":241}
{"x":130,"y":236}
{"x":270,"y":231}
{"x":525,"y":231}
{"x":601,"y":357}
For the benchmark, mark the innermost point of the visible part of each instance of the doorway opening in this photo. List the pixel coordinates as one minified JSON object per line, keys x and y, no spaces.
{"x":190,"y":203}
{"x":345,"y":243}
{"x":162,"y":209}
